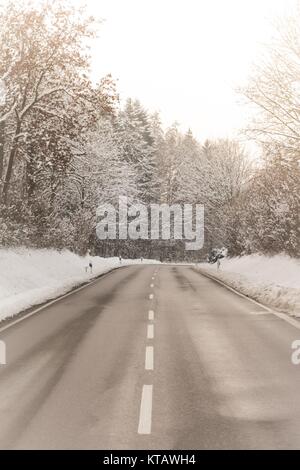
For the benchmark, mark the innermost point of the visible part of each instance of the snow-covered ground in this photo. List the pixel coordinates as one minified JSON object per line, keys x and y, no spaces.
{"x":273,"y":281}
{"x":29,"y":277}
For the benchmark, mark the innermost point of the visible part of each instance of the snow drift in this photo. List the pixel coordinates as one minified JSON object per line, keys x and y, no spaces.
{"x":29,"y":277}
{"x":273,"y":281}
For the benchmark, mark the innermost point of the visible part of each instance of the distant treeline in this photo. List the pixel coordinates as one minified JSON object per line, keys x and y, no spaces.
{"x":66,"y":146}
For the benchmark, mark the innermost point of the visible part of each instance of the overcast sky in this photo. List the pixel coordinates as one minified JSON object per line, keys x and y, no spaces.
{"x":185,"y":57}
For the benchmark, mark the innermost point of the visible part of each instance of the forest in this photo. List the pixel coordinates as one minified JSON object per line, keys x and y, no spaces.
{"x":67,"y":145}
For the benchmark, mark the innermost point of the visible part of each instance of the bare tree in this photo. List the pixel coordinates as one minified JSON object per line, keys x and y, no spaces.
{"x":274,"y":90}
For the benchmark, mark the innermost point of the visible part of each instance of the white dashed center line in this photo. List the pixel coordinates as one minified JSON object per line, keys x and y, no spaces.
{"x":151,"y":315}
{"x":150,"y":332}
{"x":145,"y":420}
{"x":149,"y":359}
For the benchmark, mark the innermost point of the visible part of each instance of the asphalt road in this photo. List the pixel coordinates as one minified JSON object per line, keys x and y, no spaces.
{"x":151,"y":357}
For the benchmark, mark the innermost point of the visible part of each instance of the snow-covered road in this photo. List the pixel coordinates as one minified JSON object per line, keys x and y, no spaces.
{"x":213,"y":371}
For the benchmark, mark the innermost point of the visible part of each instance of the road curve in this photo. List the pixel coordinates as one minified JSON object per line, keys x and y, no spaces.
{"x":150,"y":357}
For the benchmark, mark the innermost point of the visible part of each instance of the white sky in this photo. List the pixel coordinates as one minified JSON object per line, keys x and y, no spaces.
{"x":185,"y":57}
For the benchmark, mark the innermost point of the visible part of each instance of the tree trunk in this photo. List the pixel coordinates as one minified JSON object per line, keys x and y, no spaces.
{"x":30,"y":176}
{"x":10,"y":165}
{"x":2,"y":130}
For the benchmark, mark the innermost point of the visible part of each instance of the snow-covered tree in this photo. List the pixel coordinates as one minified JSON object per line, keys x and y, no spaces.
{"x":134,"y":136}
{"x":44,"y":63}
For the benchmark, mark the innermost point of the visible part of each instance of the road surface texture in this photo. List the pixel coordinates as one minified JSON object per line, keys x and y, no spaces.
{"x":150,"y":357}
